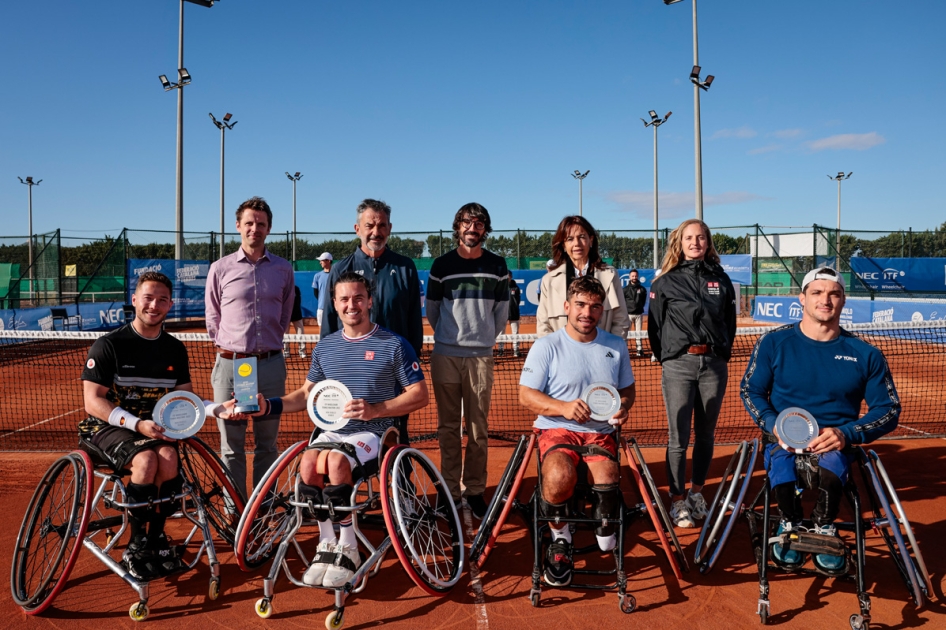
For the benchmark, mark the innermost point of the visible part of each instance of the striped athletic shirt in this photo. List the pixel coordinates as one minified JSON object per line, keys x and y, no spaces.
{"x":376,"y":367}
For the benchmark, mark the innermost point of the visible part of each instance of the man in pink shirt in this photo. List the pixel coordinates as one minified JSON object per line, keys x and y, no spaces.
{"x":249,"y":300}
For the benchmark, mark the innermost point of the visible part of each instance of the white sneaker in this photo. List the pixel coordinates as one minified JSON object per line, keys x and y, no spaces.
{"x":680,"y":514}
{"x":697,"y":505}
{"x":324,"y":556}
{"x":347,"y":561}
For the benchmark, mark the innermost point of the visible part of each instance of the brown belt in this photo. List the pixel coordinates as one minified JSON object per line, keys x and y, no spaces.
{"x":226,"y":354}
{"x":700,"y":348}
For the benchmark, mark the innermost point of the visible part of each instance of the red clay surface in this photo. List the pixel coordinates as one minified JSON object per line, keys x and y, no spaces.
{"x":724,"y":599}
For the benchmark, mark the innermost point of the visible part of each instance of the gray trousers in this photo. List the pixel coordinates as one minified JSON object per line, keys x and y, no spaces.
{"x":272,"y":383}
{"x":637,"y":323}
{"x":693,"y":388}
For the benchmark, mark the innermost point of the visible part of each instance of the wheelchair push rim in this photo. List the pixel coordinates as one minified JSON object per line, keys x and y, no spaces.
{"x":505,"y":497}
{"x":211,"y":479}
{"x":422,"y":520}
{"x":61,"y":504}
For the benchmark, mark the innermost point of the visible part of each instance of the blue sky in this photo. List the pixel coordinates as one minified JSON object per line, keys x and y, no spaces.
{"x":429,"y":105}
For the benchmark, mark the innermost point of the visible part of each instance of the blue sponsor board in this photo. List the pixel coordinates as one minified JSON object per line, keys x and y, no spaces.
{"x":738,"y":267}
{"x":189,"y":278}
{"x":86,"y":316}
{"x":918,"y":275}
{"x":856,"y":311}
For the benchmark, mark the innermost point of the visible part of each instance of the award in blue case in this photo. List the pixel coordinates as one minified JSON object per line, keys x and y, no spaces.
{"x":245,"y":385}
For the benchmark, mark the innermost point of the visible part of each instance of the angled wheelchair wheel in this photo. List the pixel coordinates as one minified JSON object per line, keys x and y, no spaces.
{"x":50,"y":536}
{"x":268,"y":514}
{"x":422,"y":520}
{"x":655,"y":508}
{"x":503,"y":499}
{"x":211,"y":479}
{"x":726,"y":506}
{"x":895,"y":527}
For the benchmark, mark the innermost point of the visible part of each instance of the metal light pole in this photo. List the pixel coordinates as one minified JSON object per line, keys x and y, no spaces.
{"x":29,"y":182}
{"x":581,"y":178}
{"x":183,"y":79}
{"x":294,"y":178}
{"x":837,"y":236}
{"x":655,"y":122}
{"x":222,"y":125}
{"x":697,"y":85}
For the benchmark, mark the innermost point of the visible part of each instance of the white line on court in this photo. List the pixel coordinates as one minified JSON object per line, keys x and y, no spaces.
{"x":482,"y":621}
{"x":36,"y":424}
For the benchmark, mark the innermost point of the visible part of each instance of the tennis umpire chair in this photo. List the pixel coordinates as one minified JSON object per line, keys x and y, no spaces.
{"x":67,"y":509}
{"x":883,"y":513}
{"x":581,"y":518}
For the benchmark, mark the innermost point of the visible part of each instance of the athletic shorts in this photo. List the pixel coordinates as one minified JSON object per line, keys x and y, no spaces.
{"x":118,"y":445}
{"x":780,"y":464}
{"x":366,"y":445}
{"x":551,"y":437}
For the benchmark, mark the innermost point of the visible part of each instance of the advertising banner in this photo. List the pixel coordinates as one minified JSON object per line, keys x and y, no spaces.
{"x":188,"y":276}
{"x":738,"y":267}
{"x":86,"y":316}
{"x":918,"y":275}
{"x":856,"y":311}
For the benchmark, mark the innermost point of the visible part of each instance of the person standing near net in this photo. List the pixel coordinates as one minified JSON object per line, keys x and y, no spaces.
{"x":828,"y":372}
{"x":635,"y":295}
{"x":296,"y":323}
{"x":248,"y":302}
{"x":320,"y":285}
{"x":691,"y":326}
{"x":467,"y":306}
{"x":383,"y":375}
{"x":515,"y":297}
{"x":575,"y":255}
{"x":126,"y":373}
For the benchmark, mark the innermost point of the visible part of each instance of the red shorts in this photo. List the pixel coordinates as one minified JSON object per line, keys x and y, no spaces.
{"x":550,"y":437}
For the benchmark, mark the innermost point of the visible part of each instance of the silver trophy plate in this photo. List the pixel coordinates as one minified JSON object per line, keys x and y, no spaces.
{"x":796,"y":428}
{"x":180,"y":413}
{"x":603,"y":399}
{"x":326,"y":405}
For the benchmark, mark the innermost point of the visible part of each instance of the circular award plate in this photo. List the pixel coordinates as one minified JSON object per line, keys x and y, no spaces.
{"x":604,"y":400}
{"x":326,"y":403}
{"x":180,"y":413}
{"x":796,"y":428}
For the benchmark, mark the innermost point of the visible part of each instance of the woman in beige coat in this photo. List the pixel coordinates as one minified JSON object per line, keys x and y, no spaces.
{"x":575,"y":254}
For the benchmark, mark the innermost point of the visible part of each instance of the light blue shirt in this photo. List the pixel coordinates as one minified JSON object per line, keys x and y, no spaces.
{"x":562,"y":368}
{"x":320,"y":282}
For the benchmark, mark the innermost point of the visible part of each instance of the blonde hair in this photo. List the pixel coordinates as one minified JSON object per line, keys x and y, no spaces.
{"x":674,"y":254}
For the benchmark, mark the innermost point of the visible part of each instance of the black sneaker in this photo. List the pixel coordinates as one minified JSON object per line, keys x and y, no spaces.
{"x":477,"y":506}
{"x":166,"y":558}
{"x":138,"y":559}
{"x":558,"y":563}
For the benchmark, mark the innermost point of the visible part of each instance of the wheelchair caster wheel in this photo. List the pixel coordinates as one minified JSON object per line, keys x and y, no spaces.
{"x":763,"y":611}
{"x":335,"y":620}
{"x":264,"y":608}
{"x":536,"y":598}
{"x":858,"y":623}
{"x":138,"y":611}
{"x":213,"y":592}
{"x":628,"y":603}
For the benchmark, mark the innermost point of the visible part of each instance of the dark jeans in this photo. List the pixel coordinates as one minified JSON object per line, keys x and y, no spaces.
{"x":693,"y":388}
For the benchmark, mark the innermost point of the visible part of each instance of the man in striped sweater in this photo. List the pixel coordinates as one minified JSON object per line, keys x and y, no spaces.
{"x":467,"y":306}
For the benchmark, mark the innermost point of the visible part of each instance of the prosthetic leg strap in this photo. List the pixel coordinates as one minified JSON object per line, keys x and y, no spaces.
{"x":607,"y":507}
{"x":313,"y":496}
{"x":553,"y":511}
{"x":586,"y":449}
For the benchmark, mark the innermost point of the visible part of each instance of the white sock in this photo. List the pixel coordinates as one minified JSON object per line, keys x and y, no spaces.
{"x":561,"y":534}
{"x":326,"y":531}
{"x":607,"y":543}
{"x":347,"y":535}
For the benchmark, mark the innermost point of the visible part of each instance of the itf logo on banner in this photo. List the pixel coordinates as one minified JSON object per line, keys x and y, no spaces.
{"x":901,"y":274}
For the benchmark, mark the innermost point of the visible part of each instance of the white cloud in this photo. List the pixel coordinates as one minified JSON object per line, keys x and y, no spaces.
{"x":674,"y":204}
{"x":852,"y":141}
{"x":766,"y":149}
{"x":741,"y":132}
{"x":786,"y":134}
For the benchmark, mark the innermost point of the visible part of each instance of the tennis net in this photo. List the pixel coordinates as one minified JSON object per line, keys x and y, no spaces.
{"x":41,"y":393}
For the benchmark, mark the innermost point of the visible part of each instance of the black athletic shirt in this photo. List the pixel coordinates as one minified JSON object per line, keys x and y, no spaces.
{"x":137,"y":371}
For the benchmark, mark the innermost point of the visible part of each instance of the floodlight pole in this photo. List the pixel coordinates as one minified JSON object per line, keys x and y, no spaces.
{"x":222,"y":125}
{"x":29,"y":182}
{"x":837,"y":235}
{"x":656,"y":122}
{"x":294,"y":178}
{"x":581,"y":178}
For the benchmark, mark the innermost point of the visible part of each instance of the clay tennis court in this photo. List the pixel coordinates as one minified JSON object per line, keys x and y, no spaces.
{"x":724,"y":599}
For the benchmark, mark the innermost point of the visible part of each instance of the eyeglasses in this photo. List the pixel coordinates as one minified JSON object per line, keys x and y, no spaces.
{"x":479,"y":225}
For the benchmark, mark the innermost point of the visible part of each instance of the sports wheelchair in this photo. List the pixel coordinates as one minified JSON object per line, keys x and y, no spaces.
{"x":884,"y":514}
{"x":66,"y":509}
{"x":417,"y":512}
{"x":582,"y":508}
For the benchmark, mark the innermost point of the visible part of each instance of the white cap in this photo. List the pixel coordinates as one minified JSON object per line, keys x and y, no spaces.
{"x":822,"y":273}
{"x":325,"y":256}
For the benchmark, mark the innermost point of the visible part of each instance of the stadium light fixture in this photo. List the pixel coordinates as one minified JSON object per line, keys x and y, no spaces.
{"x":29,"y":182}
{"x":164,"y":82}
{"x":581,"y":178}
{"x":840,"y":177}
{"x":294,"y":178}
{"x":223,"y":126}
{"x":655,"y":122}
